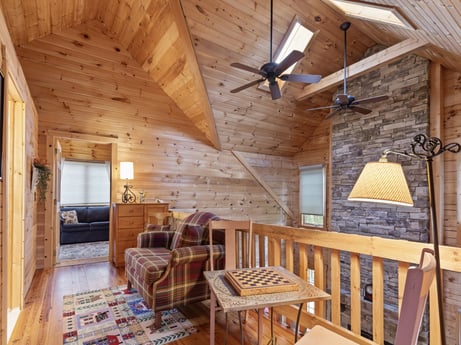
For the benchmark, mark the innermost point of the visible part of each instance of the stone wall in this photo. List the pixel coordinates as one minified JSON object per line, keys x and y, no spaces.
{"x":358,"y":139}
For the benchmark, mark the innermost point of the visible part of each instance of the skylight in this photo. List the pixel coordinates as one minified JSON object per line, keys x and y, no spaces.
{"x":297,"y":37}
{"x":372,"y":12}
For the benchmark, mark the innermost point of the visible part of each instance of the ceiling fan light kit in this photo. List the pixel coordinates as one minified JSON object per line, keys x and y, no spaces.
{"x":345,"y":101}
{"x":272,"y":71}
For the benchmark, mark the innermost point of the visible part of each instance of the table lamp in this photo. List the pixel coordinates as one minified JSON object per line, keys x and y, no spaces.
{"x":127,"y":172}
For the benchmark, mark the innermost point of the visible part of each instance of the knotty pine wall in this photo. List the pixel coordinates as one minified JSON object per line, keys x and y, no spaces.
{"x":96,"y":90}
{"x":451,"y":82}
{"x":13,"y":72}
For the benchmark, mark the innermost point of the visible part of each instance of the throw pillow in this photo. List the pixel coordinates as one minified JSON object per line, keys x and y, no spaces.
{"x":191,"y":235}
{"x":70,"y":217}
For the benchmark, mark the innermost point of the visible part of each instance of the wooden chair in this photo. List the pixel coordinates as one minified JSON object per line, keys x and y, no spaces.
{"x":417,"y":284}
{"x":238,"y":237}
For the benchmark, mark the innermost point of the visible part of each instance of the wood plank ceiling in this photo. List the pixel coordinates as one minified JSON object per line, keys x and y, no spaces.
{"x":186,"y":47}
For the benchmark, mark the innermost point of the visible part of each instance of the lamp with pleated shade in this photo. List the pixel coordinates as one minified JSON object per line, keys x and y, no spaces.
{"x":382,"y":182}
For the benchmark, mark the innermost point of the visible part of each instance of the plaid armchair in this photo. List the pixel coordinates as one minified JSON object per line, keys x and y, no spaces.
{"x":167,"y":266}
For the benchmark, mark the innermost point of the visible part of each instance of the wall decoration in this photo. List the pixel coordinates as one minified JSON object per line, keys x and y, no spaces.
{"x":41,"y":177}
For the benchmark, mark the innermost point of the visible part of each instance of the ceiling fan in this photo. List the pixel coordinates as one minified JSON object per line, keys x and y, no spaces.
{"x":345,"y":101}
{"x":272,"y":71}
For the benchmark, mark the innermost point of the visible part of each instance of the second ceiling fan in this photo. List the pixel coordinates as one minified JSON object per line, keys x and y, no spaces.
{"x":345,"y":101}
{"x":272,"y":71}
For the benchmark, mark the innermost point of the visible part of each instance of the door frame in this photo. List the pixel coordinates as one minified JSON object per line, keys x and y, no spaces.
{"x":52,"y":227}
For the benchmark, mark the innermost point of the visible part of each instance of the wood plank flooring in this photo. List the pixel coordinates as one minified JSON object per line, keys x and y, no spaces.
{"x":41,"y":320}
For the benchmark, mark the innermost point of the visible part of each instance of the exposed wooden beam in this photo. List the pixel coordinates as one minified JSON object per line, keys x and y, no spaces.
{"x":361,"y":67}
{"x":263,"y":184}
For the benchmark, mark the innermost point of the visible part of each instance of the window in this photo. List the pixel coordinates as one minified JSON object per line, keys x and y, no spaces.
{"x":373,"y":12}
{"x":85,"y":183}
{"x":312,"y":195}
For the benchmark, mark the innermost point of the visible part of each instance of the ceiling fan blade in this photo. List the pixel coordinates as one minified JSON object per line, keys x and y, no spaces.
{"x":333,"y":113}
{"x":301,"y":78}
{"x":291,"y":58}
{"x":320,"y":108}
{"x":243,"y":87}
{"x":275,"y":90}
{"x":360,"y":110}
{"x":245,"y":67}
{"x":370,"y":99}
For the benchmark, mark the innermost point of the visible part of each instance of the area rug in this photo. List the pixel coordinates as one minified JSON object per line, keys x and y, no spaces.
{"x":116,"y":316}
{"x":88,"y":250}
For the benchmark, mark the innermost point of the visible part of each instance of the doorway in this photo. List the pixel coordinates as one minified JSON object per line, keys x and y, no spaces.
{"x":85,"y":207}
{"x":78,"y":163}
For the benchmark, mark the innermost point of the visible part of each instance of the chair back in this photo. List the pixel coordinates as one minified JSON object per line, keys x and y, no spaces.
{"x":238,"y":239}
{"x":417,"y":284}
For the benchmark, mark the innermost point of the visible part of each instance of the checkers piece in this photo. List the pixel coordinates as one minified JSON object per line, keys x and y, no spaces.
{"x":256,"y":281}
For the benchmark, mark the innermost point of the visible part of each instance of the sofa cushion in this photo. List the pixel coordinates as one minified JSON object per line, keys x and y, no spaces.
{"x":69,"y":217}
{"x":77,"y":227}
{"x":100,"y":226}
{"x":190,"y":235}
{"x":98,"y":214}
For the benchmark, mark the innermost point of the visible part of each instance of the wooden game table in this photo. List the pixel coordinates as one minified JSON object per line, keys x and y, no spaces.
{"x":229,"y":295}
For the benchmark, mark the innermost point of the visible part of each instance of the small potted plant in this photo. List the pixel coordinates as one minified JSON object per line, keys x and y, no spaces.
{"x":42,"y":177}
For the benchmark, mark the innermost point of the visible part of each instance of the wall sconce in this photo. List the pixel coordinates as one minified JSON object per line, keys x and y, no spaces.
{"x":127,"y":172}
{"x":385,"y":182}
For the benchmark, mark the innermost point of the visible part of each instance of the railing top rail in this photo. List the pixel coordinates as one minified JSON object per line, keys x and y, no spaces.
{"x":393,"y":249}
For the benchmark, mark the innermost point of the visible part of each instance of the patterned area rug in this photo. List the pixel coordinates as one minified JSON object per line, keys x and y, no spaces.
{"x":88,"y":250}
{"x":116,"y":316}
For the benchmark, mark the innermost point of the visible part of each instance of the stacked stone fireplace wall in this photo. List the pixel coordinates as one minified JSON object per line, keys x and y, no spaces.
{"x":358,"y":139}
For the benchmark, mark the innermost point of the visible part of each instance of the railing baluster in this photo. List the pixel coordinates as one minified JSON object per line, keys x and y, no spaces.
{"x":335,"y":287}
{"x":378,"y":300}
{"x":356,"y":293}
{"x":319,"y":275}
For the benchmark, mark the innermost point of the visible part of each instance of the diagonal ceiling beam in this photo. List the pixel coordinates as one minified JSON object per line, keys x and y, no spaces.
{"x":172,"y":63}
{"x":366,"y":65}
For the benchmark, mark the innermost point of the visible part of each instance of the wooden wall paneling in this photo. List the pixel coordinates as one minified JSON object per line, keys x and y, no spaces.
{"x":451,"y":83}
{"x":14,"y":74}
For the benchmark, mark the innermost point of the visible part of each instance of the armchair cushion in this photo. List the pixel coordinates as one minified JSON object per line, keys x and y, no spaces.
{"x":156,"y":227}
{"x":190,"y":235}
{"x":155,"y":239}
{"x":147,"y":264}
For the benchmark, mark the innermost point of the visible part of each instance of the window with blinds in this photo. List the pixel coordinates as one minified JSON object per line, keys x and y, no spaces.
{"x":312,"y":195}
{"x":85,"y":183}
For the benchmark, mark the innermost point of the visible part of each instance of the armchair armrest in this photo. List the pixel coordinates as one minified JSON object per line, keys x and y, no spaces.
{"x":155,"y":239}
{"x":184,"y":255}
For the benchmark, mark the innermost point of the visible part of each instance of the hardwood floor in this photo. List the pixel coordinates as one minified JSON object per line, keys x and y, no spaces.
{"x":40,"y":322}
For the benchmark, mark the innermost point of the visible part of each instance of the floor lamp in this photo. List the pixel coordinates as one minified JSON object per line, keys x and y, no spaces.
{"x":385,"y":182}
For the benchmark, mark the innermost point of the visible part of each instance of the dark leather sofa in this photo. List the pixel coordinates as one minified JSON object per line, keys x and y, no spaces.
{"x":92,"y":226}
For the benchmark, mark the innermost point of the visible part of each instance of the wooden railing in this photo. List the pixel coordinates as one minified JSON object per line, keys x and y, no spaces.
{"x":299,"y":249}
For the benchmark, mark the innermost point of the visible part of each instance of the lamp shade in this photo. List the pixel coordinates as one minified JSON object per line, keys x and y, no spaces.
{"x":126,"y":170}
{"x":382,"y":182}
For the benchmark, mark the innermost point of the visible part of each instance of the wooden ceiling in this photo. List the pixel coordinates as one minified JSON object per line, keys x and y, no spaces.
{"x":184,"y":49}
